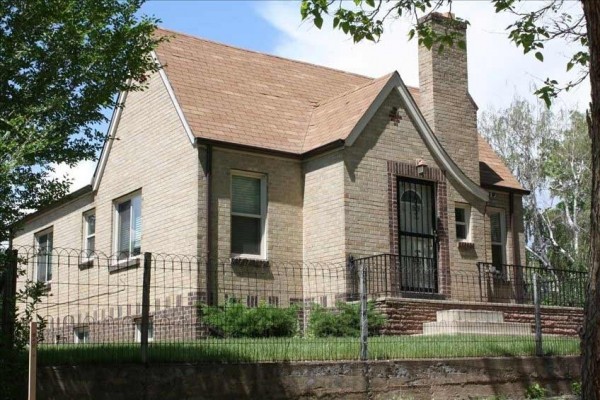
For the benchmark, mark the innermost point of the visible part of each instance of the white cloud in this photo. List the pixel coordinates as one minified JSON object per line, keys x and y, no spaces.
{"x":497,"y":69}
{"x":80,"y":174}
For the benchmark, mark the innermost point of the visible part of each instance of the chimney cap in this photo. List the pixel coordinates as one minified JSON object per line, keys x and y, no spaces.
{"x":443,"y":18}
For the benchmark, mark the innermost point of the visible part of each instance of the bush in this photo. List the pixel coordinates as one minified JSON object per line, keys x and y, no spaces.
{"x":235,"y":320}
{"x":343,"y":321}
{"x":535,"y":391}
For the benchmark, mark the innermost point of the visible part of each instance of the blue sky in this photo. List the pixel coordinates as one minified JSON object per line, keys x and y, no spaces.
{"x":497,"y":69}
{"x":237,"y":23}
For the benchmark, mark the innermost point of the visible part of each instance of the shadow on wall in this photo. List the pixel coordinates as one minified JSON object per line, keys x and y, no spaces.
{"x":416,"y":379}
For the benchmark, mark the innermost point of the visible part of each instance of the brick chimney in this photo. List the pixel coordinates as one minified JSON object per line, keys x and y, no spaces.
{"x":444,"y":95}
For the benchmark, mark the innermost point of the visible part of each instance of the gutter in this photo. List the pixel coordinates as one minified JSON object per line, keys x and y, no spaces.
{"x":505,"y":189}
{"x":337,"y":144}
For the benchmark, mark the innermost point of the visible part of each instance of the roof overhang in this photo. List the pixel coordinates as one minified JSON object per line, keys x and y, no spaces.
{"x":433,"y":145}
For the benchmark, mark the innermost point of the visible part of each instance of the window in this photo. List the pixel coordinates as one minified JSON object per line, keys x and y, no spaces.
{"x":248,"y":215}
{"x":44,"y":256}
{"x":89,"y":233}
{"x":81,"y":334}
{"x":129,"y":227}
{"x":462,"y":216}
{"x":498,"y":235}
{"x":138,"y":331}
{"x":252,"y":301}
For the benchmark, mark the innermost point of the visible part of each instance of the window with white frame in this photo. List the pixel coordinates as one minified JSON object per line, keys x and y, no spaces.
{"x":498,"y":238}
{"x":138,"y":331}
{"x":43,"y":241}
{"x":248,"y":215}
{"x":128,"y":229}
{"x":462,"y":216}
{"x":89,"y":233}
{"x":81,"y":335}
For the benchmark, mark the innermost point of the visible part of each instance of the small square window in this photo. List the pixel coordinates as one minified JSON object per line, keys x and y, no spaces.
{"x":462,"y":216}
{"x":252,"y":301}
{"x":138,"y":331}
{"x":81,"y":335}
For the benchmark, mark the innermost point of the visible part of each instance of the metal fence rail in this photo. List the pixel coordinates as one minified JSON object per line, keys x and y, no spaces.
{"x":160,"y":307}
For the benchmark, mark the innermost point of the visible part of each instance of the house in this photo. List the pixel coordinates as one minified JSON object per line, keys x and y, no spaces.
{"x":245,"y":157}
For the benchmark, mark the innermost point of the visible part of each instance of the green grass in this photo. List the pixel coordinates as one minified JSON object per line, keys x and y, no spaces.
{"x":308,"y":349}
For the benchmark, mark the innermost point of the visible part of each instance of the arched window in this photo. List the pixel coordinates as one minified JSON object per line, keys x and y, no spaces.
{"x":413,"y":200}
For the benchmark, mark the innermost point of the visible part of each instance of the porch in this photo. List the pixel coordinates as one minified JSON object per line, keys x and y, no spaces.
{"x":394,"y":276}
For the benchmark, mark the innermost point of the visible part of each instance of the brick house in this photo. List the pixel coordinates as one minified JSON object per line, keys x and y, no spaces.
{"x":236,"y":155}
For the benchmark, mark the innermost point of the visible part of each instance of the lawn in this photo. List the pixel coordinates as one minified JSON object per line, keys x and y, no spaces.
{"x":308,"y":349}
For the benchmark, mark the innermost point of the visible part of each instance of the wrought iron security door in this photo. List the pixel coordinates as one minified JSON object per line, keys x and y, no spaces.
{"x":417,"y":239}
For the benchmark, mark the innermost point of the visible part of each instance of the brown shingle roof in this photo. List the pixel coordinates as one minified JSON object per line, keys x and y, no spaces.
{"x":239,"y":96}
{"x":493,"y":171}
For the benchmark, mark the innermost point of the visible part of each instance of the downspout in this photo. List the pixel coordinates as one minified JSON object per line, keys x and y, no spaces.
{"x":209,"y":234}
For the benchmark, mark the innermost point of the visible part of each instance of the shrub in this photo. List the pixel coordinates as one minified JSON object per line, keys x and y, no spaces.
{"x":343,"y":321}
{"x":535,"y":391}
{"x":238,"y":321}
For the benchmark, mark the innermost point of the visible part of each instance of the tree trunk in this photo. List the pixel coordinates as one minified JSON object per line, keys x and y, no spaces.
{"x":590,"y":369}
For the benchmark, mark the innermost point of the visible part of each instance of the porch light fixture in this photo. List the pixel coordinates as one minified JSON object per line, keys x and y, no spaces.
{"x":421,"y":166}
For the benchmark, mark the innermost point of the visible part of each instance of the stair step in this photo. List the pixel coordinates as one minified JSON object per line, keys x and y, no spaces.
{"x":478,"y":328}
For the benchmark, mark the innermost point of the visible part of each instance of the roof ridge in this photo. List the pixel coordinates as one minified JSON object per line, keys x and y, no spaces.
{"x":355,"y":89}
{"x":264,"y":54}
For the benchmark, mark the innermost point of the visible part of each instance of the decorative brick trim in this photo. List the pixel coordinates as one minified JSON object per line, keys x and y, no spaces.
{"x":406,"y":170}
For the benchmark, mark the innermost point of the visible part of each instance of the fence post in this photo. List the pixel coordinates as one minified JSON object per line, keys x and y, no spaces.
{"x":32,"y":360}
{"x":538,"y":316}
{"x":9,"y":298}
{"x":145,"y":323}
{"x":364,"y":323}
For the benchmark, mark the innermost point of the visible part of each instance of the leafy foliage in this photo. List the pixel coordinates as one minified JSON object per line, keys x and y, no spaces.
{"x":343,"y":321}
{"x":235,"y":320}
{"x":548,"y":152}
{"x":530,"y":30}
{"x":61,"y":64}
{"x":535,"y":391}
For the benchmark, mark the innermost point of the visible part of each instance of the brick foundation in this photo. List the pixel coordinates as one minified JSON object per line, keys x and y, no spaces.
{"x":406,"y":316}
{"x":173,"y":323}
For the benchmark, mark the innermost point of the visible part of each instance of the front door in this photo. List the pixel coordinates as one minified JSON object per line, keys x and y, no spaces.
{"x":417,"y":240}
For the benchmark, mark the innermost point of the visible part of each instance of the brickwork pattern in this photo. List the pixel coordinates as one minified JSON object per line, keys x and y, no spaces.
{"x":406,"y":316}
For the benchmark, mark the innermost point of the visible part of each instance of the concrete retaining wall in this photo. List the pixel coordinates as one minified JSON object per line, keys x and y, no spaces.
{"x":410,"y":379}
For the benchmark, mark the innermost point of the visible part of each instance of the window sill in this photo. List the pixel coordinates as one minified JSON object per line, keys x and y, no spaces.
{"x":240,"y":261}
{"x":86,"y":263}
{"x":465,"y":245}
{"x":121,"y":265}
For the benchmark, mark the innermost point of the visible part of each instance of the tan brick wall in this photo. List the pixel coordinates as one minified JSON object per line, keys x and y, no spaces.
{"x":151,"y":154}
{"x":283,"y":275}
{"x":324,"y":217}
{"x":324,"y":228}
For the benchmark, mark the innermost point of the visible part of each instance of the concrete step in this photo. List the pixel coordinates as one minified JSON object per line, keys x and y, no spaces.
{"x":477,"y":328}
{"x":470,"y":316}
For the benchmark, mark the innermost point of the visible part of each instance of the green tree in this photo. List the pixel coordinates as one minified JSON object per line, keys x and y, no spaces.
{"x":548,"y":152}
{"x":62,"y":62}
{"x":364,"y":19}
